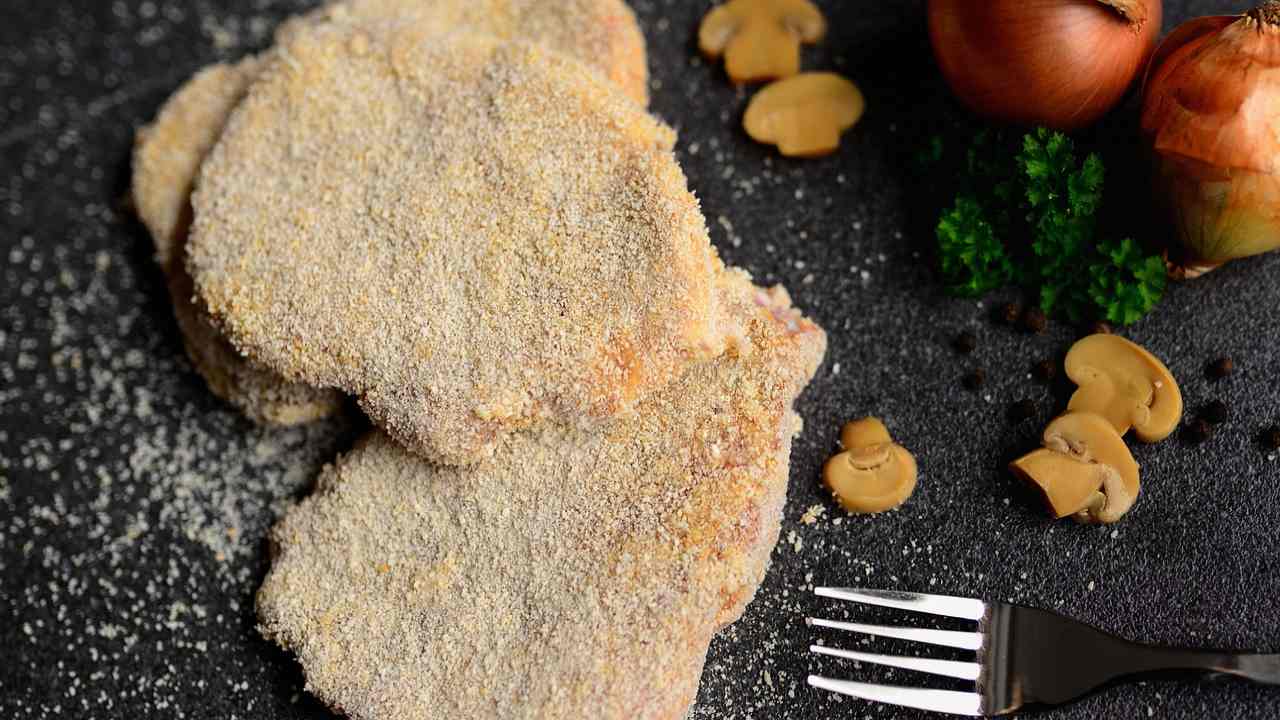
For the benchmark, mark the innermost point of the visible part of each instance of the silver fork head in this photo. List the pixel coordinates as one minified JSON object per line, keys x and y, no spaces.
{"x":945,"y":701}
{"x":952,"y":702}
{"x":956,"y":607}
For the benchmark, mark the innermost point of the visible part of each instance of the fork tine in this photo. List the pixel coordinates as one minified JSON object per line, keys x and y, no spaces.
{"x":946,"y":638}
{"x":949,"y":668}
{"x":957,"y":607}
{"x":943,"y":701}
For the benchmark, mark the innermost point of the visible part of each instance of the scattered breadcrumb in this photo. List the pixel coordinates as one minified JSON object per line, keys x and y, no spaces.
{"x":134,"y":504}
{"x":813,"y":514}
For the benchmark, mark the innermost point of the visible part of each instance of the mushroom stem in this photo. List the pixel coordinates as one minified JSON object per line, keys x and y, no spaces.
{"x":873,"y":474}
{"x":1084,"y":470}
{"x":1110,"y":504}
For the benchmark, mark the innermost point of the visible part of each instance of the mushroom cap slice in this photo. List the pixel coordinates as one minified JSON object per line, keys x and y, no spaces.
{"x":1092,"y":438}
{"x":760,"y":39}
{"x":864,"y":433}
{"x":871,"y":479}
{"x":1127,"y":385}
{"x":804,"y":115}
{"x":1066,"y":484}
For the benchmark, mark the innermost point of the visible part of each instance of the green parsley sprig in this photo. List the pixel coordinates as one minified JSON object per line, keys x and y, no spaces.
{"x":1125,"y":283}
{"x":1030,"y":219}
{"x":974,"y":260}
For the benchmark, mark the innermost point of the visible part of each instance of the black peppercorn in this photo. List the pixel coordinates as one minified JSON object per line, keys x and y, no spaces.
{"x":1221,"y":368}
{"x":975,"y":379}
{"x":1045,"y":370}
{"x":1216,"y":412}
{"x":1034,"y":320}
{"x":1198,"y":431}
{"x":1101,"y":328}
{"x":965,"y":343}
{"x":1009,"y":313}
{"x":1022,"y":410}
{"x":1271,"y":438}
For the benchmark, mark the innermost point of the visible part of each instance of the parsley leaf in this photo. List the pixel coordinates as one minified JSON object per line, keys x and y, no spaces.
{"x":930,"y":155}
{"x":974,"y":261}
{"x":1043,"y":193}
{"x":1062,"y":201}
{"x":1126,"y":284}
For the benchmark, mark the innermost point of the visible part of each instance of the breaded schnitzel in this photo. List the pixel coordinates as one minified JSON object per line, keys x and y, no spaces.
{"x":169,"y":153}
{"x":473,"y":236}
{"x":574,"y":574}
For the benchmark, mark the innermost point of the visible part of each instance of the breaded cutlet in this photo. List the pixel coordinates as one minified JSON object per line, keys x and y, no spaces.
{"x":574,"y":574}
{"x":473,"y":236}
{"x":602,"y":34}
{"x":169,"y":152}
{"x":167,"y":157}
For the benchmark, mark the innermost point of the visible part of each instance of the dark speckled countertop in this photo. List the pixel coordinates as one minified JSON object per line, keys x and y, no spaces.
{"x":133,"y":505}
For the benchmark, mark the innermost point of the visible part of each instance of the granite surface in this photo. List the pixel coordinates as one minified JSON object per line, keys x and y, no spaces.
{"x":133,"y":505}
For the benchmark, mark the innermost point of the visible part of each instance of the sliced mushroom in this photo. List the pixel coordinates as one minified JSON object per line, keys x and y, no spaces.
{"x":1067,"y":485}
{"x":864,"y":433}
{"x":760,"y":39}
{"x":1085,"y":469}
{"x":1127,"y":385}
{"x":873,"y":474}
{"x":804,"y":115}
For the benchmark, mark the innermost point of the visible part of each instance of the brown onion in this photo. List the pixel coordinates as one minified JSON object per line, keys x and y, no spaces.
{"x":1058,"y":63}
{"x":1211,"y":118}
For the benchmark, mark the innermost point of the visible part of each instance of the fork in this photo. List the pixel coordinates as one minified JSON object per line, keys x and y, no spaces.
{"x":1025,"y":657}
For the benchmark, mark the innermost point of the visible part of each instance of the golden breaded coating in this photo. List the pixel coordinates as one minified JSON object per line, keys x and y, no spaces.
{"x":167,"y":157}
{"x":574,"y":574}
{"x":474,"y":236}
{"x":602,"y":34}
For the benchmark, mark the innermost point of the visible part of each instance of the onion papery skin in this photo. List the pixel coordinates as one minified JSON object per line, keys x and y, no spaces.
{"x":1218,"y":214}
{"x":1211,"y":121}
{"x":1058,"y":63}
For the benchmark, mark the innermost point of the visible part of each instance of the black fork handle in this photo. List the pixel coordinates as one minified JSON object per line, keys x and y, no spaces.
{"x":1035,"y":657}
{"x":1155,"y":661}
